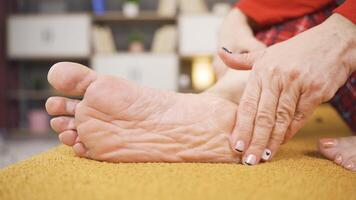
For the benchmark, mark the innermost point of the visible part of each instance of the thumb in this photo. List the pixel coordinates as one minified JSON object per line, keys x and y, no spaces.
{"x":241,"y":61}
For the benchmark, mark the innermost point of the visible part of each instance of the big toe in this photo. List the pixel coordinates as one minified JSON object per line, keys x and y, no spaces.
{"x":71,"y":78}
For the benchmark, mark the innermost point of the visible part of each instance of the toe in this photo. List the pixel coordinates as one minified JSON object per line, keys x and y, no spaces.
{"x":348,"y":160}
{"x":351,"y":164}
{"x":61,"y":106}
{"x":80,"y":150}
{"x":71,"y":78}
{"x":341,"y":150}
{"x":328,"y":147}
{"x":61,"y":124}
{"x":68,"y":137}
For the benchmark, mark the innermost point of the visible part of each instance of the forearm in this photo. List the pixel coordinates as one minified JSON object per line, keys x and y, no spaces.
{"x":345,"y":31}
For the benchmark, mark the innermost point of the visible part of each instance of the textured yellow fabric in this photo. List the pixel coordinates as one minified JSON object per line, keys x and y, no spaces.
{"x":297,"y":172}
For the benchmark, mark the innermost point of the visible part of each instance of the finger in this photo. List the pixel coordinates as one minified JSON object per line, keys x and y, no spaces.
{"x":243,"y":61}
{"x":60,"y":124}
{"x":61,"y":106}
{"x":252,"y":45}
{"x":285,"y":111}
{"x":68,"y":137}
{"x":305,"y":107}
{"x":264,"y":123}
{"x":242,"y":131}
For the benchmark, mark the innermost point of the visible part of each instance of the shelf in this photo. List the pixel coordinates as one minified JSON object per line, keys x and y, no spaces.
{"x":34,"y":94}
{"x":189,"y":57}
{"x":46,"y":58}
{"x":25,"y":134}
{"x":114,"y":16}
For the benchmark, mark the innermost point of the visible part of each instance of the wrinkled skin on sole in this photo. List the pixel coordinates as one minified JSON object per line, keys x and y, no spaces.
{"x":118,"y":121}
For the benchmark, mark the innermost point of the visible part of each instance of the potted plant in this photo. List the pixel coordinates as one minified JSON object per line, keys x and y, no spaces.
{"x":136,"y":42}
{"x":131,"y":8}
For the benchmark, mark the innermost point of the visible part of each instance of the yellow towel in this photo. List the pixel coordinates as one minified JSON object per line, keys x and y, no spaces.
{"x":297,"y":172}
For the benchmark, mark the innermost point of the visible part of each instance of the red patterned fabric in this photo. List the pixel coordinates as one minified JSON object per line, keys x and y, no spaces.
{"x":348,"y":10}
{"x":268,"y":12}
{"x":345,"y":99}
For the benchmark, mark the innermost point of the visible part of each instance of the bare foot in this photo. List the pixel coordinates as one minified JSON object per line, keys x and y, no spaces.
{"x":341,"y":150}
{"x":118,"y":121}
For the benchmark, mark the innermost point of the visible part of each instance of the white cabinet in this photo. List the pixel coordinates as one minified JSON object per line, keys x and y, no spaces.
{"x":198,"y":34}
{"x":48,"y":36}
{"x":152,"y":70}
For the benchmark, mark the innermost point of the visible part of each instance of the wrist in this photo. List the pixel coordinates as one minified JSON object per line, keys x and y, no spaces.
{"x":230,"y":86}
{"x":345,"y":32}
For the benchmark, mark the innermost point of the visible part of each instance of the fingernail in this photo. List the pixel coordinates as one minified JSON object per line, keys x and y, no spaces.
{"x":338,"y":159}
{"x":250,"y":160}
{"x":227,"y":50}
{"x":350,"y":166}
{"x":328,"y":142}
{"x":240,"y":146}
{"x":266,"y":154}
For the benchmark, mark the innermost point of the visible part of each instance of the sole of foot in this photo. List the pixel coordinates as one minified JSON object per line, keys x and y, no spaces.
{"x":119,"y":121}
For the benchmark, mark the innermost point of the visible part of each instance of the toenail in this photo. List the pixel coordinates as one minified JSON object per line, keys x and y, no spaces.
{"x":328,"y":142}
{"x":266,"y":154}
{"x":240,"y":146}
{"x":350,"y":165}
{"x":250,"y":160}
{"x":338,"y":159}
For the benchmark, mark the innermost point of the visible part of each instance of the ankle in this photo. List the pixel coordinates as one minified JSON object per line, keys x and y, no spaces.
{"x":230,"y":86}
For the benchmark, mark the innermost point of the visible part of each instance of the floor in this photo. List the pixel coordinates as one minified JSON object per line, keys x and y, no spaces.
{"x":14,"y":150}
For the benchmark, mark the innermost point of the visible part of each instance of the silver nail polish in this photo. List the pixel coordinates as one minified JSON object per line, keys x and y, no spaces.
{"x":240,"y":146}
{"x":266,"y":154}
{"x":250,"y":160}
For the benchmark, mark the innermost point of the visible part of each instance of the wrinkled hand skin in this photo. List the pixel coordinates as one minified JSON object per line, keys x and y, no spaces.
{"x":287,"y":82}
{"x":236,"y":35}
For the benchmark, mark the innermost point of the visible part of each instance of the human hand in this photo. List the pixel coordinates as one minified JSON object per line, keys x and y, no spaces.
{"x":287,"y":82}
{"x":237,"y":36}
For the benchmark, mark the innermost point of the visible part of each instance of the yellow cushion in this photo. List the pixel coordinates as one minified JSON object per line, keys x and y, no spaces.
{"x":297,"y":172}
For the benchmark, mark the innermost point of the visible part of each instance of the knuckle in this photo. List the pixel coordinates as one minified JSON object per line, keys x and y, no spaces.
{"x":248,"y":105}
{"x":265,"y":119}
{"x":316,"y":85}
{"x":273,"y":71}
{"x":277,"y":138}
{"x":294,"y":73}
{"x":243,"y":130}
{"x":258,"y":144}
{"x":328,"y":95}
{"x":283,"y":117}
{"x":299,"y":116}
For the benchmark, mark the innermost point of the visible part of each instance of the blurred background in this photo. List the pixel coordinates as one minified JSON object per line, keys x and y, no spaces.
{"x":165,"y":44}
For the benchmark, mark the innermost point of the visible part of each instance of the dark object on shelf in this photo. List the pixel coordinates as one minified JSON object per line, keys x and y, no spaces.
{"x":136,"y":42}
{"x":98,"y":6}
{"x":144,"y":16}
